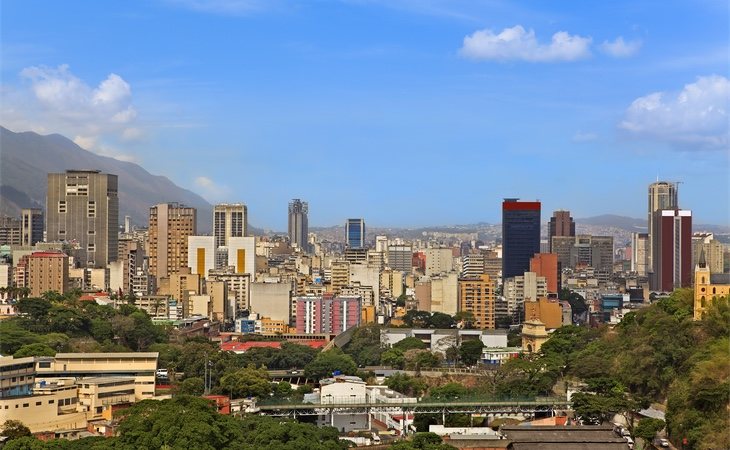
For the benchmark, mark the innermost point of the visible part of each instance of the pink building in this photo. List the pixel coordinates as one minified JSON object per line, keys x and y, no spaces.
{"x":327,"y":314}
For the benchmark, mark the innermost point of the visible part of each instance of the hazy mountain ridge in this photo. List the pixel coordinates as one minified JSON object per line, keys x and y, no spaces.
{"x":27,"y":157}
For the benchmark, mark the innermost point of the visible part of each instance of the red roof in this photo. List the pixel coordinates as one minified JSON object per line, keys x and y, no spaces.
{"x":234,"y":346}
{"x":47,"y":255}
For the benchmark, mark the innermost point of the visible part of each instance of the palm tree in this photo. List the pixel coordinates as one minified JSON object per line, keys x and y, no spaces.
{"x":24,"y":292}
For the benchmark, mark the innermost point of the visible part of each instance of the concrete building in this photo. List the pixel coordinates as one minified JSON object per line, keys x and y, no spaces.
{"x":445,"y":293}
{"x":438,"y":261}
{"x":672,"y":250}
{"x":169,"y":228}
{"x":47,"y":271}
{"x":523,"y":288}
{"x":713,"y":249}
{"x":663,"y":195}
{"x":201,"y":254}
{"x":229,"y":220}
{"x":344,"y":389}
{"x":533,"y":335}
{"x":327,"y":314}
{"x":440,"y":340}
{"x":299,"y":224}
{"x":31,"y":226}
{"x":355,"y":233}
{"x":477,"y":295}
{"x":11,"y":231}
{"x":83,"y":207}
{"x":422,"y":290}
{"x":640,"y":253}
{"x":272,"y":300}
{"x":561,"y":224}
{"x":366,"y":276}
{"x":547,"y":310}
{"x":520,"y":235}
{"x":546,"y":265}
{"x":381,"y":244}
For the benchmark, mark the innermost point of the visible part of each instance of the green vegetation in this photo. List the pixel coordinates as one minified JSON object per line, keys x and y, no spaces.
{"x":471,"y":351}
{"x":326,"y":363}
{"x":426,"y":319}
{"x":406,"y":384}
{"x":59,"y":323}
{"x":422,"y":441}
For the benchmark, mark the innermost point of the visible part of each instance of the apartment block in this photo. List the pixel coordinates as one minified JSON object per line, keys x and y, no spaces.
{"x":48,"y":271}
{"x":477,"y":295}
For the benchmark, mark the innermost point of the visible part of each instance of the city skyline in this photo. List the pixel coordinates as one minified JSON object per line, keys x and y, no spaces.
{"x":577,"y":106}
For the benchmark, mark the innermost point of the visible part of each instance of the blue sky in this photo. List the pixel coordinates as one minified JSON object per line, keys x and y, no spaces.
{"x":406,"y":113}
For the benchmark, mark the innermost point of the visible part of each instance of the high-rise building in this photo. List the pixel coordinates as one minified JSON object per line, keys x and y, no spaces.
{"x":561,"y":224}
{"x":11,"y":231}
{"x":672,"y":239}
{"x":640,"y":253}
{"x":662,"y":195}
{"x":170,"y":226}
{"x":299,"y":224}
{"x":31,"y":226}
{"x":546,"y":265}
{"x":713,"y":249}
{"x":520,"y":236}
{"x":82,"y":207}
{"x":477,"y":296}
{"x":47,"y":271}
{"x":229,"y":220}
{"x":327,"y":314}
{"x":355,"y":233}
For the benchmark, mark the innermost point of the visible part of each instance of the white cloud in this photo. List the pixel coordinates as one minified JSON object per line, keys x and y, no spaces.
{"x":55,"y":100}
{"x":584,"y":136}
{"x":516,"y":43}
{"x":620,"y":48}
{"x":695,"y":118}
{"x":210,"y":190}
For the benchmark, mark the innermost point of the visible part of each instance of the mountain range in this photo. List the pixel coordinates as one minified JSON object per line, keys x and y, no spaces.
{"x":27,"y":157}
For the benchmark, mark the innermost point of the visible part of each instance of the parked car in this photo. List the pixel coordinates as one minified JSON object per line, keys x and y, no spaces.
{"x":664,"y":442}
{"x":161,"y":373}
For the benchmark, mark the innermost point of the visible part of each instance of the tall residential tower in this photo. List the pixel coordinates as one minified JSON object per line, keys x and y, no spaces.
{"x":170,"y":226}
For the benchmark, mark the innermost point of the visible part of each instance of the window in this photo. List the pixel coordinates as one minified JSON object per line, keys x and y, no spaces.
{"x":25,"y":405}
{"x":50,"y":402}
{"x":44,"y":365}
{"x":91,"y":209}
{"x":38,"y":403}
{"x":62,"y":206}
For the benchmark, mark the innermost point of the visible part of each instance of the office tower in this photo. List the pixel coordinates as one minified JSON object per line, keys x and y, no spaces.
{"x":127,"y":224}
{"x":662,"y":195}
{"x":561,"y":224}
{"x":546,"y":265}
{"x":83,"y":207}
{"x":381,"y":244}
{"x":521,"y":288}
{"x":170,"y":226}
{"x":11,"y":231}
{"x":672,"y":249}
{"x":47,"y":271}
{"x":31,"y":226}
{"x":229,"y":220}
{"x":472,"y":265}
{"x":355,"y":233}
{"x":439,"y":260}
{"x":520,"y":236}
{"x":477,"y":296}
{"x":640,"y":253}
{"x":299,"y":224}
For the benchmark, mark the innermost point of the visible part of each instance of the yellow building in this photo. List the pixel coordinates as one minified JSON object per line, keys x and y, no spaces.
{"x":547,"y":310}
{"x":476,"y":295}
{"x":368,"y":315}
{"x":708,"y":286}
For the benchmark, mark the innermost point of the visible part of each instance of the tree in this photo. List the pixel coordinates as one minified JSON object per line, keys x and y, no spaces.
{"x":422,"y":441}
{"x":417,"y":319}
{"x":329,"y":362}
{"x":393,"y":357}
{"x":191,"y":386}
{"x":37,"y":349}
{"x":14,"y":429}
{"x":471,"y":351}
{"x":405,"y":384}
{"x":365,"y":347}
{"x":466,"y":317}
{"x":648,"y":428}
{"x":421,"y":359}
{"x":450,"y":391}
{"x":282,"y":389}
{"x":441,"y":320}
{"x":247,"y":382}
{"x":409,"y":343}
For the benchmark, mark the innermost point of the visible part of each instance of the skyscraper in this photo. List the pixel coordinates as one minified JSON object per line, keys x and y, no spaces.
{"x":229,"y":220}
{"x":355,"y":233}
{"x":477,"y":296}
{"x":31,"y":226}
{"x":662,"y":195}
{"x":299,"y":224}
{"x":672,"y":241}
{"x":170,"y":226}
{"x":640,"y":253}
{"x":561,"y":224}
{"x":520,"y":236}
{"x":83,"y":207}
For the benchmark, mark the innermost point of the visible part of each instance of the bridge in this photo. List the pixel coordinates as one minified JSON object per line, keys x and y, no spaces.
{"x":472,"y":405}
